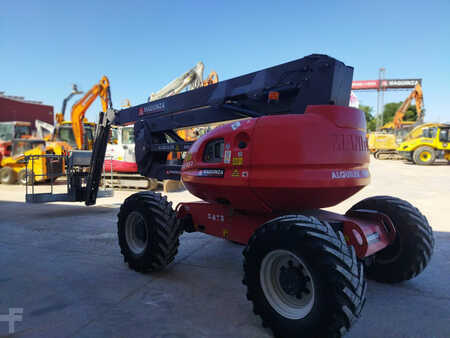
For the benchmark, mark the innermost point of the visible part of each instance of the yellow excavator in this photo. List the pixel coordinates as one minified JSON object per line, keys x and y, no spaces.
{"x":67,"y":135}
{"x":384,"y":143}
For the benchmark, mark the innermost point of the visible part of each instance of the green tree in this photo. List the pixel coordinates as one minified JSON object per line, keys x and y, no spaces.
{"x":370,"y":119}
{"x":391,"y":108}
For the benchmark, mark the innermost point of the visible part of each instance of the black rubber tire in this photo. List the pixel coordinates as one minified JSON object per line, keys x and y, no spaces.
{"x":376,"y":155}
{"x":7,"y":175}
{"x":162,"y":226}
{"x":412,"y":249}
{"x":419,"y":151}
{"x":337,"y":274}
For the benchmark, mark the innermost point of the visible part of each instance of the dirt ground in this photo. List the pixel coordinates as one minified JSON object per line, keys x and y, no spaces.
{"x":60,"y":262}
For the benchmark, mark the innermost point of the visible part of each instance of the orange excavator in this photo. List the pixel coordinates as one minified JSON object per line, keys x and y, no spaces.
{"x":67,"y":135}
{"x":79,"y":109}
{"x":383,"y":144}
{"x":417,"y":95}
{"x":77,"y":133}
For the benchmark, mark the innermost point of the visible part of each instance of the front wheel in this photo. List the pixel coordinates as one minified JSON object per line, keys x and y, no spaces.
{"x":148,"y":231}
{"x":424,"y":155}
{"x":413,"y":246}
{"x":8,"y":175}
{"x":303,"y":279}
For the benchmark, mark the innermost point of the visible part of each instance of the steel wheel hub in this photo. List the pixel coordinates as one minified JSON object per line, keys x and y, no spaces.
{"x":293,"y":281}
{"x":136,"y":233}
{"x":425,"y":156}
{"x":287,"y":284}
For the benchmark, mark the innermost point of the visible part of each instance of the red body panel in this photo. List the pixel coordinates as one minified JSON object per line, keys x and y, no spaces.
{"x":368,"y":232}
{"x":281,"y":164}
{"x":120,"y":166}
{"x":221,"y":221}
{"x":290,"y":162}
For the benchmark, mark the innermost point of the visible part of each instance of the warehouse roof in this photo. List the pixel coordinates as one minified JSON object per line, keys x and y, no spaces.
{"x":19,"y":98}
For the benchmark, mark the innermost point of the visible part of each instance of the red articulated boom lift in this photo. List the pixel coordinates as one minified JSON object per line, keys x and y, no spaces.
{"x":296,"y":147}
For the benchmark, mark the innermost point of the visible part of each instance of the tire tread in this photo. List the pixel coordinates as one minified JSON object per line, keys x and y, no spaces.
{"x":164,"y":237}
{"x":345,"y":272}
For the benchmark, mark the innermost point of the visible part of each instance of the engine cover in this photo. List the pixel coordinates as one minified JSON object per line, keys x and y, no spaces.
{"x":281,"y":162}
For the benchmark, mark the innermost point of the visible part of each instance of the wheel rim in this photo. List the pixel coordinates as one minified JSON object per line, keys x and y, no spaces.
{"x":136,"y":233}
{"x":22,"y":178}
{"x":287,"y":284}
{"x":425,"y":156}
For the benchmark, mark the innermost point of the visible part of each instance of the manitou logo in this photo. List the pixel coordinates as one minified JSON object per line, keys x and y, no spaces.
{"x":153,"y":108}
{"x":349,"y":143}
{"x":345,"y":174}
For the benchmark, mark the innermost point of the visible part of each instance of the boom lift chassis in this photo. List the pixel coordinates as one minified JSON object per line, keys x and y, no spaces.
{"x":303,"y":266}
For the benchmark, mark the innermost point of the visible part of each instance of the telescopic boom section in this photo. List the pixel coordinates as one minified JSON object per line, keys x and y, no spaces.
{"x":101,"y":89}
{"x":192,"y":78}
{"x":284,"y":89}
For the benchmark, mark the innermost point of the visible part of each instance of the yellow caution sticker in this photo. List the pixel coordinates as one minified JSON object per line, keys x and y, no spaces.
{"x":235,"y":173}
{"x":225,"y":233}
{"x":237,"y":160}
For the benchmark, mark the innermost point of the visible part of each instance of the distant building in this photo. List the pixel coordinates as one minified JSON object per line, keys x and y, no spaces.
{"x":16,"y":108}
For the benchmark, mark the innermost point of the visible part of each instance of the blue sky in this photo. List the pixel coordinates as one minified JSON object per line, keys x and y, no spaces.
{"x":142,"y":45}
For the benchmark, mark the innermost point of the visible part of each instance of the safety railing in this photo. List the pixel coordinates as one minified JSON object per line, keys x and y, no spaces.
{"x":44,"y":168}
{"x":52,"y":169}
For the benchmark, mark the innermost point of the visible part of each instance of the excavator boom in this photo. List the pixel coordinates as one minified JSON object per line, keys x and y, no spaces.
{"x":79,"y":109}
{"x":60,"y":117}
{"x":417,"y":95}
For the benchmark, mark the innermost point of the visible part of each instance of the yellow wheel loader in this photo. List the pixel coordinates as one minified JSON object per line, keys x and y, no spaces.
{"x":16,"y":169}
{"x":426,"y":143}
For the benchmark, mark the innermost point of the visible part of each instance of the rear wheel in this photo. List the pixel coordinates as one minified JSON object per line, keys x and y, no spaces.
{"x":303,"y":279}
{"x":7,"y":175}
{"x":424,"y":155}
{"x":148,"y":231}
{"x":413,"y":246}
